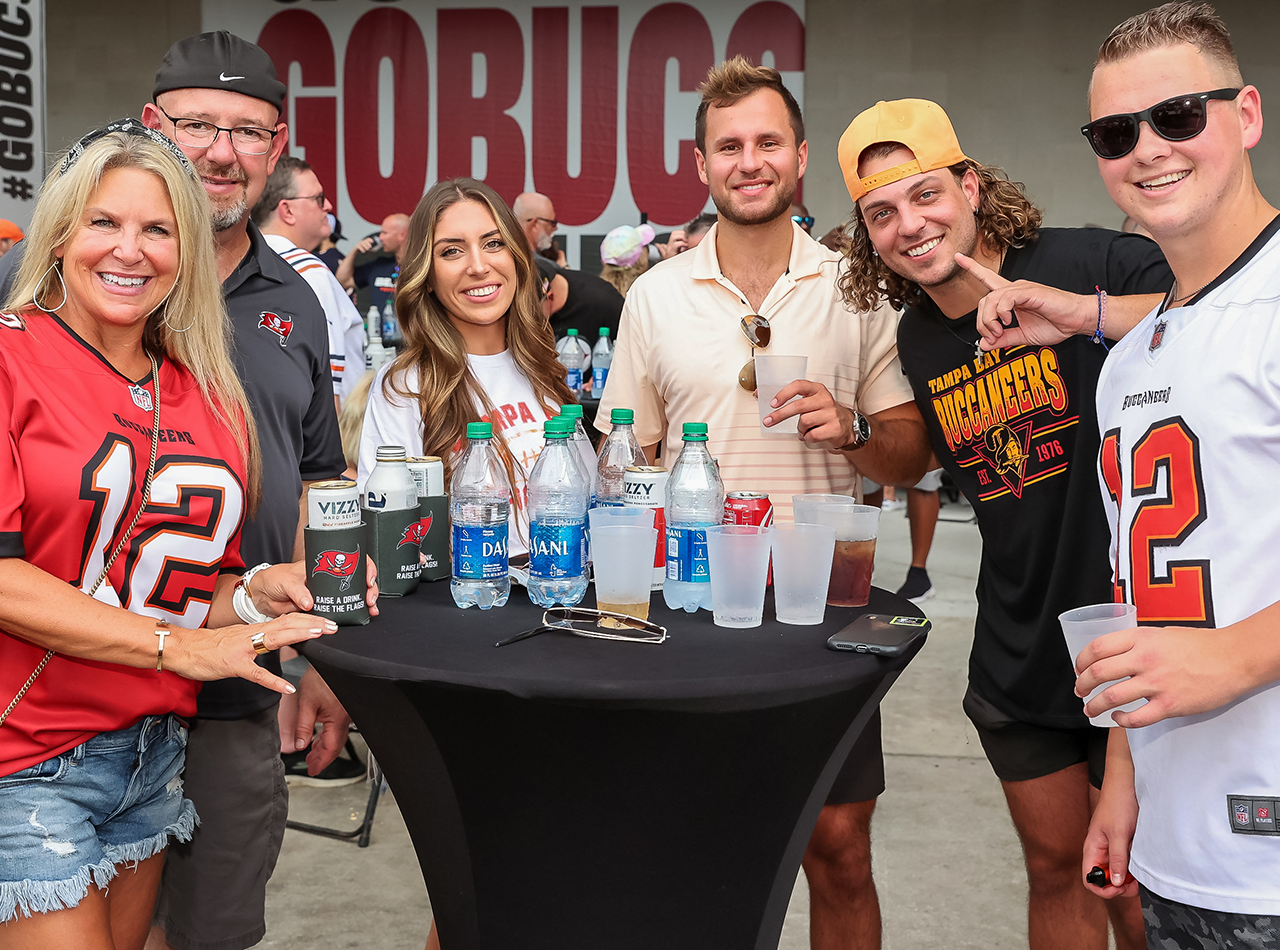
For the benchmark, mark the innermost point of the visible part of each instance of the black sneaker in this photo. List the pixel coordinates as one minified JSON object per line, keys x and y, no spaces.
{"x":917,"y":588}
{"x":341,"y":771}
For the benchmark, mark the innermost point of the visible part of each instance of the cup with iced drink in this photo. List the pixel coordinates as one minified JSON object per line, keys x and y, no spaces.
{"x":623,"y":557}
{"x":1082,"y":626}
{"x":855,"y":554}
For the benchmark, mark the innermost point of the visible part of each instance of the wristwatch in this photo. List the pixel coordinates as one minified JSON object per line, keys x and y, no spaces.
{"x":861,"y":432}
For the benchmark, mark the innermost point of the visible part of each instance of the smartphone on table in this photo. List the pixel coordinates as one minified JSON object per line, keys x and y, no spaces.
{"x":880,"y":634}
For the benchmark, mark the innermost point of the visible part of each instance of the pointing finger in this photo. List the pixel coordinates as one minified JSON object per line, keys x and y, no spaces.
{"x":990,"y":279}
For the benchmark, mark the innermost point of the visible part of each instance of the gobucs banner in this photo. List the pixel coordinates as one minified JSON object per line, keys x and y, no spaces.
{"x":592,"y":105}
{"x":22,"y":99}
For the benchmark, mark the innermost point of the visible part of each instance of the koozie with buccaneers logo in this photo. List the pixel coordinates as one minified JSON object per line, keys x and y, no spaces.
{"x":433,"y":537}
{"x":336,"y":573}
{"x":394,"y":538}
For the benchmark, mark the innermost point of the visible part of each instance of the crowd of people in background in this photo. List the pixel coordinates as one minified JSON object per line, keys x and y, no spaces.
{"x":185,"y":271}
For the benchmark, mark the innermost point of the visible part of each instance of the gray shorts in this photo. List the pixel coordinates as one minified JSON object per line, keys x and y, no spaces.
{"x":1174,"y":926}
{"x":214,"y":892}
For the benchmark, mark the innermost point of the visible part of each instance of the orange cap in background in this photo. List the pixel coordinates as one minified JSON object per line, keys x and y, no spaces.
{"x":10,"y":230}
{"x":920,"y":125}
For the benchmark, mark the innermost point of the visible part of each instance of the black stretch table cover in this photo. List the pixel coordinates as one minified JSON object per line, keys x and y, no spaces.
{"x":564,"y":793}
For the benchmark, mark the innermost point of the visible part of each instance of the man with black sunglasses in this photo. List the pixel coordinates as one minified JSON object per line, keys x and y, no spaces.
{"x":1015,"y":429}
{"x":690,"y":331}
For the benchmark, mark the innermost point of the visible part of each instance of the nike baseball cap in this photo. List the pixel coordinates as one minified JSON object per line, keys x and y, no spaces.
{"x":922,"y":126}
{"x":220,"y":60}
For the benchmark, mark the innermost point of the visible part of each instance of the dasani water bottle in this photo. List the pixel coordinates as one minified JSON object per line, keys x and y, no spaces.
{"x":479,"y":505}
{"x":695,"y":501}
{"x":558,"y":500}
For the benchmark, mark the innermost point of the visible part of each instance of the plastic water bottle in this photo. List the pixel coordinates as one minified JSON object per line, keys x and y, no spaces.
{"x":479,"y":504}
{"x":558,"y":499}
{"x":571,"y":357}
{"x":373,"y":325}
{"x":391,"y":335}
{"x":586,"y":453}
{"x":601,"y":357}
{"x":695,"y":501}
{"x":565,"y":343}
{"x":619,"y":451}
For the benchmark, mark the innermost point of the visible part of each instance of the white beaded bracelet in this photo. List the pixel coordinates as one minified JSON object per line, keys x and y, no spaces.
{"x":242,"y":603}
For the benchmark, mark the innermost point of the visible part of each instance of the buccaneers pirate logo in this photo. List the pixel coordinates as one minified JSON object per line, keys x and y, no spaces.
{"x":416,"y":532}
{"x":339,"y":564}
{"x":1004,"y":448}
{"x":280,"y":326}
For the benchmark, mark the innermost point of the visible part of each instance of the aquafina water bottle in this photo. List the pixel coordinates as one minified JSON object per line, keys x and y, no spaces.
{"x":558,"y":500}
{"x":695,"y":501}
{"x":479,"y":505}
{"x":619,"y":452}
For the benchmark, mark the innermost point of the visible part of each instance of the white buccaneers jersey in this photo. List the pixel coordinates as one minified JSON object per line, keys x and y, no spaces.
{"x":1189,"y":408}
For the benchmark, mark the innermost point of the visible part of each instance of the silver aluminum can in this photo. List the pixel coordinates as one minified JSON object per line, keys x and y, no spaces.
{"x":332,"y":505}
{"x":645,"y":486}
{"x":428,"y":472}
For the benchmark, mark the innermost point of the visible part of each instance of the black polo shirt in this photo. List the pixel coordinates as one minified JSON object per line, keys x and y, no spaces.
{"x":379,"y":275}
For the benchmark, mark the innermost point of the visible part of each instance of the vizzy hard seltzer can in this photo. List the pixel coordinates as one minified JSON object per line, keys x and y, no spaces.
{"x":428,"y":472}
{"x":749,"y":508}
{"x":645,"y":486}
{"x":332,"y":505}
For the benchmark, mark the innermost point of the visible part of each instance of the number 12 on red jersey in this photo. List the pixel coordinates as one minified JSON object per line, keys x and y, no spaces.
{"x":1168,"y":511}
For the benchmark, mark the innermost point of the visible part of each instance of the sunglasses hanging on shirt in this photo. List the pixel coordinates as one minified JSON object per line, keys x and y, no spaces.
{"x":758,"y":333}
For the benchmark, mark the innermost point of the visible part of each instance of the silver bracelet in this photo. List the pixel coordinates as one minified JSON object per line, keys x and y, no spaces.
{"x":242,"y":603}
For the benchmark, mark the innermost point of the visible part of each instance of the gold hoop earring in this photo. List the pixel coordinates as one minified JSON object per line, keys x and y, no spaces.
{"x":35,"y":295}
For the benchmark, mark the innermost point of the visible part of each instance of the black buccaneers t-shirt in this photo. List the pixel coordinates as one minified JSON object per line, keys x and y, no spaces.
{"x":1017,"y":430}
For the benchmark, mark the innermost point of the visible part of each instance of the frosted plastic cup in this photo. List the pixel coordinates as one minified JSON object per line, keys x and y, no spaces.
{"x":1082,"y":626}
{"x":738,"y":555}
{"x":617,"y":514}
{"x":623,"y":558}
{"x":772,"y":373}
{"x":802,"y":556}
{"x":854,"y":560}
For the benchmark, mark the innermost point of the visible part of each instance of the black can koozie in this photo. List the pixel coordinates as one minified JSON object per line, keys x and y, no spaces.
{"x":433,"y":519}
{"x":393,"y":538}
{"x":336,"y":573}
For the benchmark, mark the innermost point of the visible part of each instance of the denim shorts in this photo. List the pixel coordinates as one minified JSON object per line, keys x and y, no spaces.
{"x":68,"y":821}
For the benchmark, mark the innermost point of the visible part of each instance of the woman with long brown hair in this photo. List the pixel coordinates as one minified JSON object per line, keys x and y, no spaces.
{"x":478,"y":347}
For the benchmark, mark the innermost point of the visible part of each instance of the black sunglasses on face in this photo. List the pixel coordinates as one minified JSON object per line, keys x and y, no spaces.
{"x":1176,"y":119}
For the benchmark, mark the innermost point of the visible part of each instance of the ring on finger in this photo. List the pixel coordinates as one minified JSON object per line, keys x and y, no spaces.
{"x":259,"y":643}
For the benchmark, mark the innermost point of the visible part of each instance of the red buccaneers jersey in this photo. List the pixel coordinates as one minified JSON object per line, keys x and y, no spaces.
{"x":71,"y":477}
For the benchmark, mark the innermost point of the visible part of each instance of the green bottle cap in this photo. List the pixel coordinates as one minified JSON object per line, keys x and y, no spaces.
{"x":695,"y":432}
{"x":622,"y":417}
{"x":571,"y":411}
{"x":557,"y":428}
{"x":571,"y":332}
{"x":479,"y":430}
{"x":604,"y":331}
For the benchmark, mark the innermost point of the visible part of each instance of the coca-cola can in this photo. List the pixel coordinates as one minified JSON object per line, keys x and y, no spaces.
{"x":749,"y":507}
{"x":645,"y":486}
{"x":428,"y":472}
{"x":332,"y":505}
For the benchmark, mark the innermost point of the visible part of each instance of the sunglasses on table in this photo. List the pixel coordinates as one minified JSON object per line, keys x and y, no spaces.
{"x":567,"y":619}
{"x":1176,"y":119}
{"x":758,"y":333}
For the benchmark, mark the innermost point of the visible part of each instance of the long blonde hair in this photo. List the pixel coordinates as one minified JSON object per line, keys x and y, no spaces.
{"x":448,"y":394}
{"x":194,"y":302}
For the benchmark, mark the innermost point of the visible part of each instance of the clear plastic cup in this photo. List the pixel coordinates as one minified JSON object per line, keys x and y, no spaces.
{"x":772,"y":373}
{"x":623,"y":558}
{"x":1082,"y":626}
{"x":619,"y":515}
{"x":738,"y":555}
{"x":856,"y":527}
{"x":802,"y":555}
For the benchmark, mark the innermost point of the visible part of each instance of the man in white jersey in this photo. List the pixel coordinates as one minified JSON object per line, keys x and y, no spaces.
{"x":1189,"y":413}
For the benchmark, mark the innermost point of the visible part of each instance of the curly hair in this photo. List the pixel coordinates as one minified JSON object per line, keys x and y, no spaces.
{"x":1006,"y":218}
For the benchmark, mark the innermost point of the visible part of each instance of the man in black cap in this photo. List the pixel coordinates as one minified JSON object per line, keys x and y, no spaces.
{"x":218,"y":97}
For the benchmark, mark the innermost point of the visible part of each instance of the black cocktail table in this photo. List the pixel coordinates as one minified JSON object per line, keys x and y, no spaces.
{"x":568,"y":793}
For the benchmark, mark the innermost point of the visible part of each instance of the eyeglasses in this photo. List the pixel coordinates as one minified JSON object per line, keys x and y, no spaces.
{"x":804,"y":220}
{"x":1176,"y":119}
{"x":245,"y":139}
{"x":758,"y":333}
{"x":628,"y":628}
{"x":318,"y":199}
{"x":551,"y":221}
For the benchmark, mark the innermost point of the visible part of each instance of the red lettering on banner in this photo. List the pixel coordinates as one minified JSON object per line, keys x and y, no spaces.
{"x":462,"y":115}
{"x":296,"y":36}
{"x":770,"y":27}
{"x":583,"y":199}
{"x":392,"y":34}
{"x":671,"y":30}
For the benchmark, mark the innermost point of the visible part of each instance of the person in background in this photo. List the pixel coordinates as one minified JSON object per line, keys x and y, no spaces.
{"x":327,"y":250}
{"x":537,"y":217}
{"x":801,"y":216}
{"x":477,"y":345}
{"x":10,"y":234}
{"x":293,"y":214}
{"x":381,"y":273}
{"x":697,"y":229}
{"x":624,"y":255}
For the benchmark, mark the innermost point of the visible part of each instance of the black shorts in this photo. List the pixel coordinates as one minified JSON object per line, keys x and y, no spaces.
{"x":1019,"y":751}
{"x":1176,"y":926}
{"x":861,"y":777}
